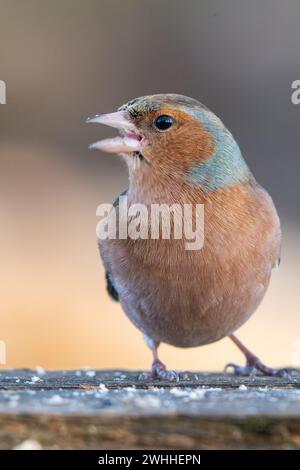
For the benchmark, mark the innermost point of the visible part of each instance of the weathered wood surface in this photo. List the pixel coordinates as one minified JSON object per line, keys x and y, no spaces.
{"x":109,"y":409}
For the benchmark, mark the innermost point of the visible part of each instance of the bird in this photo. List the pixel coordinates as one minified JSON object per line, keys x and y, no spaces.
{"x":179,"y":152}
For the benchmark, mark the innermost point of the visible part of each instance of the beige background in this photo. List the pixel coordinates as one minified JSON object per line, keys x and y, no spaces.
{"x":65,"y":60}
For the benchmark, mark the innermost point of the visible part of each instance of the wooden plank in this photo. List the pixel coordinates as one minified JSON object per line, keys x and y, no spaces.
{"x":109,"y":409}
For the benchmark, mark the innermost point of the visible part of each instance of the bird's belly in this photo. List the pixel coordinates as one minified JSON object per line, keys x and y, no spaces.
{"x":188,"y":298}
{"x":192,"y":319}
{"x":189,"y":305}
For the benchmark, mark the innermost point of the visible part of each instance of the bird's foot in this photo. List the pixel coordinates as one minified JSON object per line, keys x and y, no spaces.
{"x":253,"y":367}
{"x":160,"y":372}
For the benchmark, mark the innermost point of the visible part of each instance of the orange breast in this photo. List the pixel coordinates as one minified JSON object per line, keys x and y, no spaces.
{"x":189,"y":298}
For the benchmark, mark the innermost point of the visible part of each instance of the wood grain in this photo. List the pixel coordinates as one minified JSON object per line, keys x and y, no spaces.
{"x":108,"y":409}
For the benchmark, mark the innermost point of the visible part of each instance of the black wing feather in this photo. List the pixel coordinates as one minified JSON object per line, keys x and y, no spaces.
{"x":110,"y":288}
{"x":109,"y":281}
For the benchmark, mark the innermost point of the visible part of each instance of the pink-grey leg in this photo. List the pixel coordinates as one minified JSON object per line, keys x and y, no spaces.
{"x":253,"y":363}
{"x":158,"y":369}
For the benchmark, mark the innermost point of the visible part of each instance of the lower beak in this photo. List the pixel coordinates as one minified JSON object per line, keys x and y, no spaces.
{"x":128,"y":143}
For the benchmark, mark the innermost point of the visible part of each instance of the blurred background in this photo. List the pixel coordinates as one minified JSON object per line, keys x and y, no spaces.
{"x":65,"y":60}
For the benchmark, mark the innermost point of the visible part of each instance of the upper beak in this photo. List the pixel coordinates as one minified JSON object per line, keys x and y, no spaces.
{"x":120,"y":120}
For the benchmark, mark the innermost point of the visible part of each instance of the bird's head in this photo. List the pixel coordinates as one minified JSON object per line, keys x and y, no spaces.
{"x":173,"y":136}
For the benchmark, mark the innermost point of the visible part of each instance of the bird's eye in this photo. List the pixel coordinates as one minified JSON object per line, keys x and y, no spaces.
{"x":163,"y":122}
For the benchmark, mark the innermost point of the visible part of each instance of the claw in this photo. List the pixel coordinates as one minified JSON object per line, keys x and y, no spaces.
{"x":253,"y":364}
{"x":146,"y":376}
{"x":159,"y":372}
{"x":168,"y":375}
{"x":255,"y":367}
{"x":241,"y":371}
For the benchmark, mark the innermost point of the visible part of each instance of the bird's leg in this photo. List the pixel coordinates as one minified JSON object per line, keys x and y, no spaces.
{"x":253,"y":363}
{"x":158,"y":369}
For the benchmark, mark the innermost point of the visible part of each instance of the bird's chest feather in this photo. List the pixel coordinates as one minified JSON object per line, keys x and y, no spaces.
{"x":188,"y":297}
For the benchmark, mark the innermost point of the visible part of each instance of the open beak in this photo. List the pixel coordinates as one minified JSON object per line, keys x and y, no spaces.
{"x":128,"y":142}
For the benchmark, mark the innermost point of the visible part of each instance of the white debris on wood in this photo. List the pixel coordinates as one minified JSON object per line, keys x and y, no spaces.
{"x":103,"y":388}
{"x":243,"y":388}
{"x":34,"y":380}
{"x":196,"y":394}
{"x":55,"y":400}
{"x":193,"y":393}
{"x":90,"y":373}
{"x":179,"y":392}
{"x":147,"y":401}
{"x":29,"y":444}
{"x":40,"y":370}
